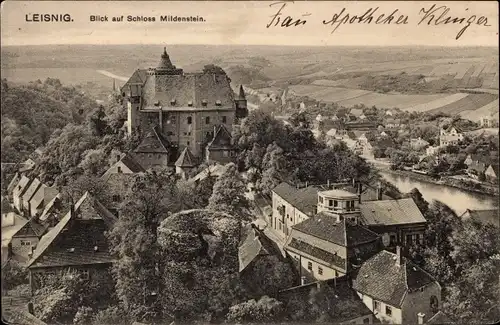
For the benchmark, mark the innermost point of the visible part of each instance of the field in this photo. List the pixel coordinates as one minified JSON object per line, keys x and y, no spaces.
{"x":347,"y":75}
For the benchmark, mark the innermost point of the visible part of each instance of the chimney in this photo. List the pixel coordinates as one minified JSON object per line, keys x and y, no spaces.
{"x":399,"y":257}
{"x":160,"y":110}
{"x":328,"y":183}
{"x":117,"y":158}
{"x":420,"y":317}
{"x":318,"y":285}
{"x":360,"y":190}
{"x":302,"y":280}
{"x":72,"y":210}
{"x":31,"y":310}
{"x":379,"y":191}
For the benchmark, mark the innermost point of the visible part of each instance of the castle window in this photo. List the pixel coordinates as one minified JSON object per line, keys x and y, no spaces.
{"x":189,"y":120}
{"x":224,"y":119}
{"x":218,"y":103}
{"x":388,"y":311}
{"x":116,"y":198}
{"x":119,"y":169}
{"x":188,"y":143}
{"x":172,"y":102}
{"x":320,"y":270}
{"x":207,"y":120}
{"x":309,"y":266}
{"x":85,"y":274}
{"x":320,"y":199}
{"x":190,"y":103}
{"x":204,"y":102}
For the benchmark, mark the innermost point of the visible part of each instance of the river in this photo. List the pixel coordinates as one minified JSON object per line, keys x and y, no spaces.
{"x":457,"y":199}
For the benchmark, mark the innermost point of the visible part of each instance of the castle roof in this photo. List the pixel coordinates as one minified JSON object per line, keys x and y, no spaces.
{"x":241,"y":95}
{"x":207,"y":91}
{"x":186,"y":159}
{"x":165,"y":63}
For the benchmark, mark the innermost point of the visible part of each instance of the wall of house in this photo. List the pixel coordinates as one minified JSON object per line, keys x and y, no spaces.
{"x":292,"y":216}
{"x":123,"y":168}
{"x":367,"y":319}
{"x":221,"y":156}
{"x":314,"y":268}
{"x":396,"y":313}
{"x":420,"y":302}
{"x":150,"y":160}
{"x":21,"y":250}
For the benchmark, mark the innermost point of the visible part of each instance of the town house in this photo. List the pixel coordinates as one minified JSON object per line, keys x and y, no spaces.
{"x":397,"y":290}
{"x":450,"y":136}
{"x":332,"y":243}
{"x":77,"y":242}
{"x":18,"y":192}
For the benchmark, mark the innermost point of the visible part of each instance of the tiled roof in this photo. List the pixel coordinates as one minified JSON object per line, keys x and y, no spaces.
{"x":344,"y":303}
{"x":391,"y":212}
{"x":31,"y":190}
{"x":221,"y":140}
{"x":186,"y":159}
{"x":189,"y":90}
{"x":321,"y":254}
{"x":304,"y":199}
{"x":22,"y":186}
{"x":132,"y":164}
{"x":380,"y":278}
{"x":256,"y":244}
{"x":38,"y":197}
{"x":13,"y":182}
{"x":30,"y":229}
{"x":49,"y":206}
{"x":138,"y":77}
{"x":484,"y":216}
{"x":153,"y":142}
{"x":72,"y":240}
{"x":326,"y":227}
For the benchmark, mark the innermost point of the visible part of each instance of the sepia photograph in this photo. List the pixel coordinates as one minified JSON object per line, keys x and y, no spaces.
{"x":250,"y":162}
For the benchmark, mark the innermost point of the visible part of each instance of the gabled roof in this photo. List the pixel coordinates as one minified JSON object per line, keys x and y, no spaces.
{"x":72,"y":240}
{"x":131,"y":163}
{"x":30,"y":229}
{"x":49,"y":206}
{"x":138,"y":77}
{"x":391,"y":212}
{"x":13,"y":182}
{"x":380,"y":278}
{"x":256,"y":244}
{"x":31,"y":190}
{"x":22,"y":186}
{"x":186,"y":159}
{"x":38,"y":197}
{"x":213,"y":170}
{"x":154,"y":142}
{"x":304,"y":199}
{"x":490,"y":216}
{"x":222,"y":139}
{"x":325,"y":226}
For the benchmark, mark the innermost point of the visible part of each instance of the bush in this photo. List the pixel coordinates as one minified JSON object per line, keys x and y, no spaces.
{"x":13,"y":274}
{"x":265,"y":310}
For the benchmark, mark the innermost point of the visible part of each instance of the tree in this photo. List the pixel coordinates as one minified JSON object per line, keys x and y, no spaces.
{"x":265,"y":310}
{"x":140,"y":260}
{"x":422,"y":204}
{"x":13,"y":274}
{"x":201,"y":255}
{"x":97,"y":122}
{"x":229,"y":193}
{"x":273,"y":166}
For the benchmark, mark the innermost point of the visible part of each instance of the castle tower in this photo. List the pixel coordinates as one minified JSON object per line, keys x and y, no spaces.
{"x":339,"y":203}
{"x":241,"y":104}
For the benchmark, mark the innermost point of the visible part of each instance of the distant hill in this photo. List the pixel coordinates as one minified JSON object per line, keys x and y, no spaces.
{"x":30,"y":113}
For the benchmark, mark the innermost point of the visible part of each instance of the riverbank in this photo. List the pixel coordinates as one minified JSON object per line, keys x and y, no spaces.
{"x":445,"y":181}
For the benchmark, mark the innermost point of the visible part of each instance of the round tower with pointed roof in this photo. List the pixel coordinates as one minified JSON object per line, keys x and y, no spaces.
{"x":165,"y":66}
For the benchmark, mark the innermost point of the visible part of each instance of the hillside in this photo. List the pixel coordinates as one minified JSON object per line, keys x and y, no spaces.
{"x":30,"y":113}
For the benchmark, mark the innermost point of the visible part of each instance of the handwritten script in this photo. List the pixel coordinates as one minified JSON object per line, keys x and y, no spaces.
{"x":429,"y":15}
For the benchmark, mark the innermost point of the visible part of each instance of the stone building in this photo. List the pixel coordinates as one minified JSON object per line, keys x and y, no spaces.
{"x":184,"y":108}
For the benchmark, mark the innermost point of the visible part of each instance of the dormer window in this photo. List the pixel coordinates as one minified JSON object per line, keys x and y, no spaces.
{"x":172,"y":102}
{"x":71,"y":250}
{"x":190,"y":103}
{"x":204,"y":103}
{"x":218,"y":103}
{"x":157,"y":103}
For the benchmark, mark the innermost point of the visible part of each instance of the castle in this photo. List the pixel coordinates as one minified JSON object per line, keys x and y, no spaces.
{"x":181,"y":114}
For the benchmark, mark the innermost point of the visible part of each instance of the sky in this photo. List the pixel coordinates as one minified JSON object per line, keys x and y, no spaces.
{"x":244,"y":22}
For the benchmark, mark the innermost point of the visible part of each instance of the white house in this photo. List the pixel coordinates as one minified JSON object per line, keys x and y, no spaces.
{"x":397,"y":290}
